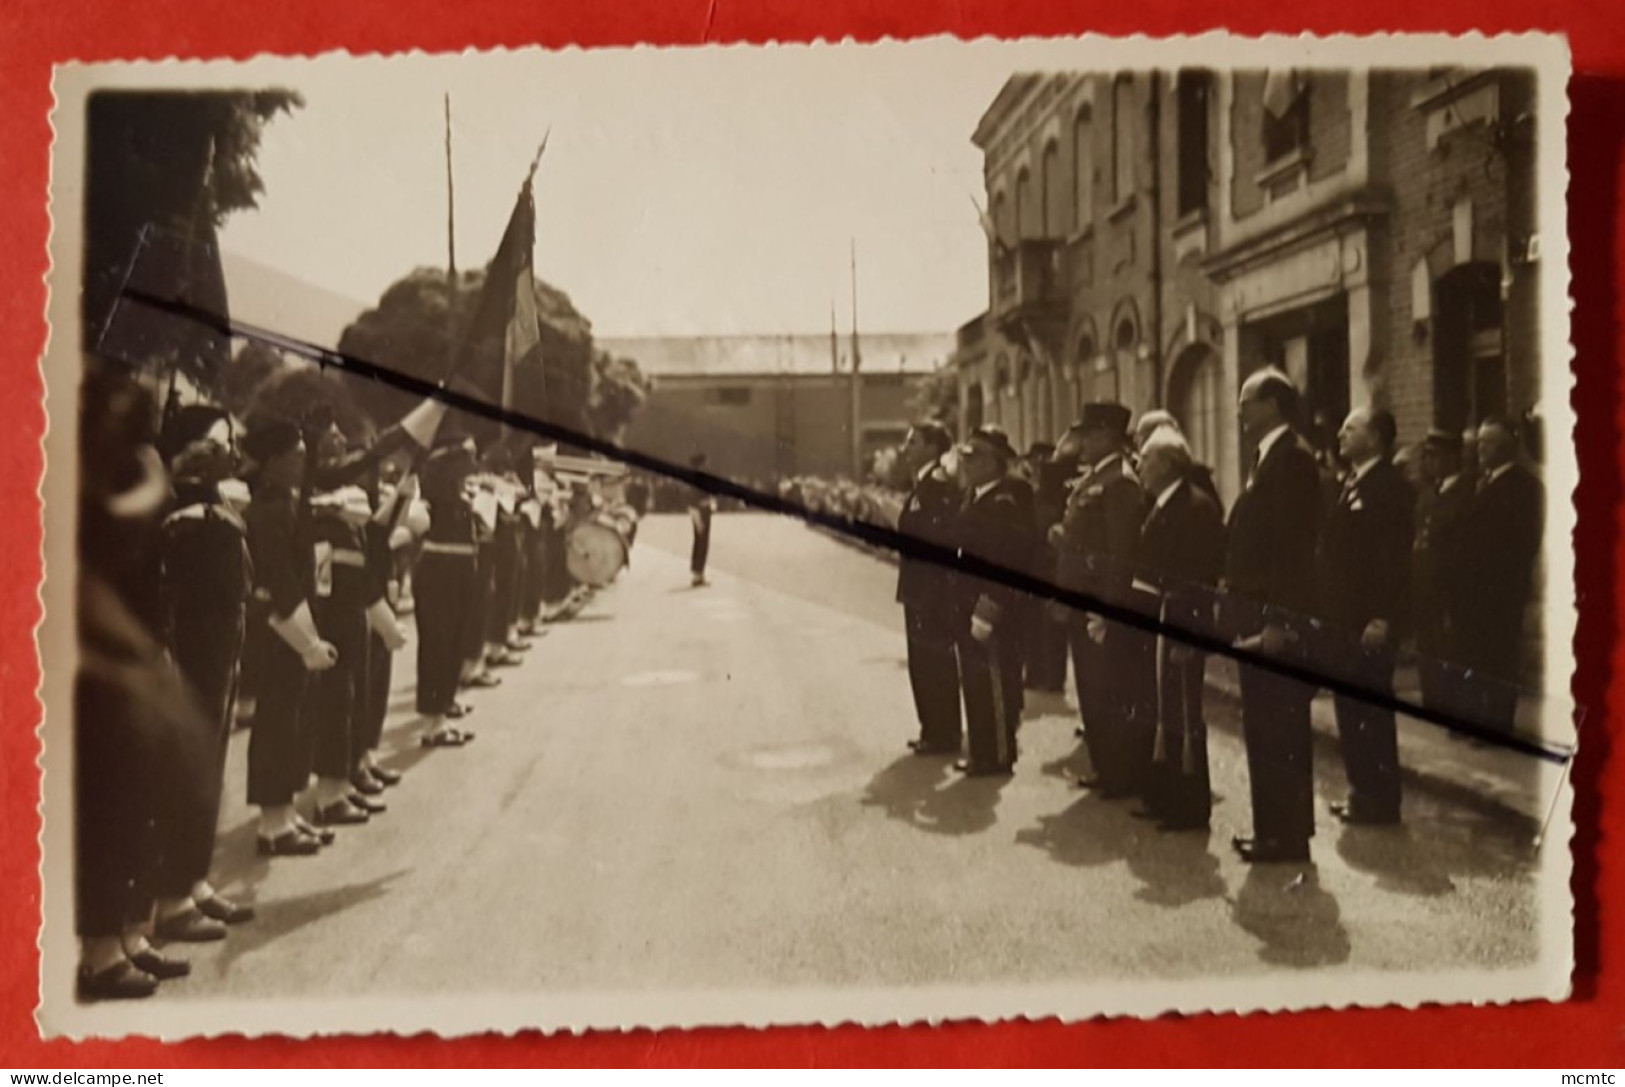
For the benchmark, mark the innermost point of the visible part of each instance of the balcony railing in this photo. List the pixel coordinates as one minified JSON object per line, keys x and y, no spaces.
{"x":1029,"y":277}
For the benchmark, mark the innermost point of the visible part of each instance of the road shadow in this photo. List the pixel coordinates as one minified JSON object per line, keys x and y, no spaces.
{"x":1425,"y":856}
{"x":1070,"y":766}
{"x":1037,"y":704}
{"x":1176,"y":869}
{"x":1090,"y":833}
{"x":1298,"y":922}
{"x":911,"y":790}
{"x":279,"y":917}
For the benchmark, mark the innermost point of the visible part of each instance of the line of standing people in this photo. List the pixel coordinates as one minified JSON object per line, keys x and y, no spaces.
{"x":1327,"y":571}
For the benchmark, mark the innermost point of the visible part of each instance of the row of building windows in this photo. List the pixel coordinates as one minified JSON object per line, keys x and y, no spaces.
{"x":1284,"y":132}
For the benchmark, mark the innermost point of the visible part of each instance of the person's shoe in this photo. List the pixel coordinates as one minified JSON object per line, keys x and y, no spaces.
{"x":320,"y":835}
{"x":225,"y":911}
{"x":122,"y":981}
{"x":924,"y":748}
{"x":290,"y":843}
{"x":367,"y":804}
{"x":160,"y":966}
{"x":365,"y":783}
{"x":994,"y":771}
{"x":190,"y":926}
{"x":1358,"y":817}
{"x":340,"y":813}
{"x":1149,"y":815}
{"x":1272,"y":851}
{"x":385,"y":775}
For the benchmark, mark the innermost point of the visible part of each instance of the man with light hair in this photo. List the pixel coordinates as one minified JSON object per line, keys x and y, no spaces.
{"x":1152,"y":421}
{"x":1178,"y":563}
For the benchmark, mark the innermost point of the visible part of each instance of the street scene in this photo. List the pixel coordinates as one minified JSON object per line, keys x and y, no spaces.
{"x":587,"y":566}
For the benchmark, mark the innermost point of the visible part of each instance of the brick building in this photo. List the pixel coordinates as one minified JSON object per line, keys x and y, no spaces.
{"x":1156,"y":236}
{"x":767,"y":407}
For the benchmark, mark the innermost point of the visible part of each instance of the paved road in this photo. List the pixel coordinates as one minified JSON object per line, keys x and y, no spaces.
{"x":704,"y":788}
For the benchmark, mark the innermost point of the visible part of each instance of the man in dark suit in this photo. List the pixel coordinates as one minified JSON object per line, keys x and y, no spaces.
{"x":993,"y":525}
{"x":1505,"y":525}
{"x":1179,"y":561}
{"x":1047,"y":648}
{"x":1095,"y":545}
{"x":924,"y":588}
{"x":1438,"y":588}
{"x":1270,"y":572}
{"x":1365,"y":555}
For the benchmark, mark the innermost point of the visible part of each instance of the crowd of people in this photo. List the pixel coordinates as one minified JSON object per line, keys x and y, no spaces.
{"x":1328,"y":562}
{"x":265,"y":563}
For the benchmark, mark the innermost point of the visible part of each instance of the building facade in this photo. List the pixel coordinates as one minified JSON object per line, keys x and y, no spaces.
{"x":764,"y":408}
{"x":1154,"y":237}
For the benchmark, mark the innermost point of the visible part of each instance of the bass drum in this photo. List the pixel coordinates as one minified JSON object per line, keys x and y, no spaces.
{"x":595,"y":552}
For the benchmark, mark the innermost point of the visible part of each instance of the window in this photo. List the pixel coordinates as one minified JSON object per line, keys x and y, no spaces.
{"x":1083,"y":170}
{"x":1024,"y":204}
{"x":1122,"y":138}
{"x":1195,"y":94}
{"x":1050,"y":176}
{"x":1001,"y":219}
{"x":728,"y":396}
{"x":1286,"y":115}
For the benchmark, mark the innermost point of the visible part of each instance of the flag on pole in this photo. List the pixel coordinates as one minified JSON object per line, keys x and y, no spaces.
{"x":506,"y":325}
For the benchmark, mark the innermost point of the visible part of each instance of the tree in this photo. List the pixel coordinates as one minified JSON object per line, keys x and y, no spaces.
{"x":254,"y":366}
{"x":565,"y":381}
{"x":170,"y":165}
{"x":619,"y":389}
{"x":936,"y":397}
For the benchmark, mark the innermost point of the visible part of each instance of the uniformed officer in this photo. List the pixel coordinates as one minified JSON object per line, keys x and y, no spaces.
{"x":701,"y":507}
{"x":283,"y":552}
{"x":924,"y":588}
{"x":207,"y":579}
{"x":1095,"y":545}
{"x":1439,"y":585}
{"x":994,"y":525}
{"x":445,"y":584}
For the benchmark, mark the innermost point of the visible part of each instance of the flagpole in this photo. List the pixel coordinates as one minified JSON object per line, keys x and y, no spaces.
{"x":451,"y":205}
{"x":856,"y":389}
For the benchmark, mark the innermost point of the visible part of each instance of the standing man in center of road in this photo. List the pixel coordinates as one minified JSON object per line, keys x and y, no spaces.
{"x":924,"y":587}
{"x":701,"y":507}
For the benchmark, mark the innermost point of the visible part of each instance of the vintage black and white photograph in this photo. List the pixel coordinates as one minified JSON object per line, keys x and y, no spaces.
{"x":794,"y":534}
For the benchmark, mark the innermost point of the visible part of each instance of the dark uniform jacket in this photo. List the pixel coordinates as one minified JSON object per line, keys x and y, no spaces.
{"x":283,"y":552}
{"x":1439,"y":583}
{"x":1101,"y":532}
{"x":928,"y":516}
{"x":1181,"y":555}
{"x":1270,"y":559}
{"x":1503,"y":531}
{"x":1365,"y":552}
{"x":206,"y":570}
{"x":994,"y":527}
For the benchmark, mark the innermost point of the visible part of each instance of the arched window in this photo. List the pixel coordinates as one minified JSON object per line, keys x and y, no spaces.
{"x":1024,"y":205}
{"x":1001,"y":218}
{"x":1054,"y":216}
{"x":1003,"y":379}
{"x":1083,"y":170}
{"x":1122,"y":138}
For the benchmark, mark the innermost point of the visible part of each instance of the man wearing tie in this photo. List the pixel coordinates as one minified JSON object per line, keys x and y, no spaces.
{"x":924,"y":587}
{"x":1505,"y":523}
{"x":992,"y":526}
{"x":1269,"y":568}
{"x":1365,"y":554}
{"x":1438,"y":587}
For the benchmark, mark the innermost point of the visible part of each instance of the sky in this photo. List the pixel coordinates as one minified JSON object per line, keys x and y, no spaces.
{"x":683,"y":192}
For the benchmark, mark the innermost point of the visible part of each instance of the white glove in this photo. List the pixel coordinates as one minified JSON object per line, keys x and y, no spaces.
{"x":383,"y":623}
{"x":298,"y":630}
{"x":980,"y":628}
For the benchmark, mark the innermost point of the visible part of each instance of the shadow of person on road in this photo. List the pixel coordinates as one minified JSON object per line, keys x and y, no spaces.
{"x":279,"y":917}
{"x":911,"y":790}
{"x":1071,"y":766}
{"x":1038,"y":704}
{"x":1434,"y":846}
{"x":1299,"y":922}
{"x":1176,"y":869}
{"x":1090,"y":833}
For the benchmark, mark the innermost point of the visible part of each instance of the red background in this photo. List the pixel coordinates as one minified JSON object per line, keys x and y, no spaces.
{"x":1588,"y":1031}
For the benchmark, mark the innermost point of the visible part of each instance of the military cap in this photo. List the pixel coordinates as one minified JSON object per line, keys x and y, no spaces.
{"x":993,"y":436}
{"x":1105,"y":415}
